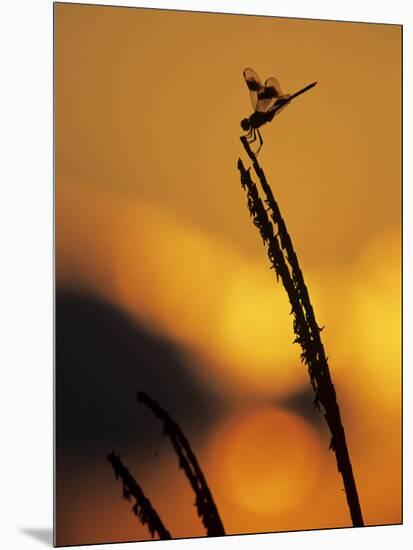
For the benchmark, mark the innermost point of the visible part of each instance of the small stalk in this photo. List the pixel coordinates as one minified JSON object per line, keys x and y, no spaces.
{"x":204,"y":501}
{"x":142,"y":508}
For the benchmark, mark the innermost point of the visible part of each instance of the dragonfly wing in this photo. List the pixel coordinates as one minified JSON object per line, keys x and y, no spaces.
{"x":281,"y":103}
{"x":268,"y":95}
{"x":273,"y":83}
{"x":254,"y":84}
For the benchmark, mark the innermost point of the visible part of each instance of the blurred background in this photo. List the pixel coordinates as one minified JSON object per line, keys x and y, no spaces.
{"x":163,"y":284}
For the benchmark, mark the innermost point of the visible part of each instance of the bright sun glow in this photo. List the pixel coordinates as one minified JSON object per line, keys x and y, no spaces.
{"x":268,"y":460}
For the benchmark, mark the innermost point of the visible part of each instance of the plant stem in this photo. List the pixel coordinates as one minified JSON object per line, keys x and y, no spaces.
{"x":142,"y":508}
{"x":205,"y":504}
{"x":285,"y":263}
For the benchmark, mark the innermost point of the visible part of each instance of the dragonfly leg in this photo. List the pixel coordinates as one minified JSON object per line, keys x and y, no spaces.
{"x":254,"y":136}
{"x":261,"y":142}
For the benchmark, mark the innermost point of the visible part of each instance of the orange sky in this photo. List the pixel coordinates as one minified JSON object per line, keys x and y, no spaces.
{"x":150,"y":216}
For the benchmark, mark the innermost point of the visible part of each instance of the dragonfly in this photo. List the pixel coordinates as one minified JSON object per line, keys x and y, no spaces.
{"x":267,"y":100}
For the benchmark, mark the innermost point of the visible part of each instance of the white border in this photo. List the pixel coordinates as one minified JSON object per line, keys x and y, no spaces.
{"x":26,"y":245}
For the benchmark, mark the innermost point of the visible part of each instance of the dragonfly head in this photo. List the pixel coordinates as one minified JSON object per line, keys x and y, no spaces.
{"x":245,"y":124}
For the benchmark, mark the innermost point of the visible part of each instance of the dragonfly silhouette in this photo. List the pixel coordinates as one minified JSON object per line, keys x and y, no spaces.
{"x":267,"y":100}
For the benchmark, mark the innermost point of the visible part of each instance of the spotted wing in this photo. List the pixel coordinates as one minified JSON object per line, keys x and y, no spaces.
{"x":254,"y":84}
{"x":281,"y":103}
{"x":268,"y":95}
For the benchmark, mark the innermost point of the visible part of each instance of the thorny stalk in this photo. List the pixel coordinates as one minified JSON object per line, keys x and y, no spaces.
{"x":284,"y":261}
{"x":142,"y":508}
{"x":204,"y":501}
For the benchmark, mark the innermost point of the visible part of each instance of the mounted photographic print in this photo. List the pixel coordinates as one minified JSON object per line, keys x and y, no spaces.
{"x":228,"y":274}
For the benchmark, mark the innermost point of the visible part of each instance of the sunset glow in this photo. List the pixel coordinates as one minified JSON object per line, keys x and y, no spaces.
{"x":154,"y":235}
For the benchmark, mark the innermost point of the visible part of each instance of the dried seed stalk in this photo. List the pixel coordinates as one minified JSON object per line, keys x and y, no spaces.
{"x":142,"y":508}
{"x":204,"y":501}
{"x":284,"y":261}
